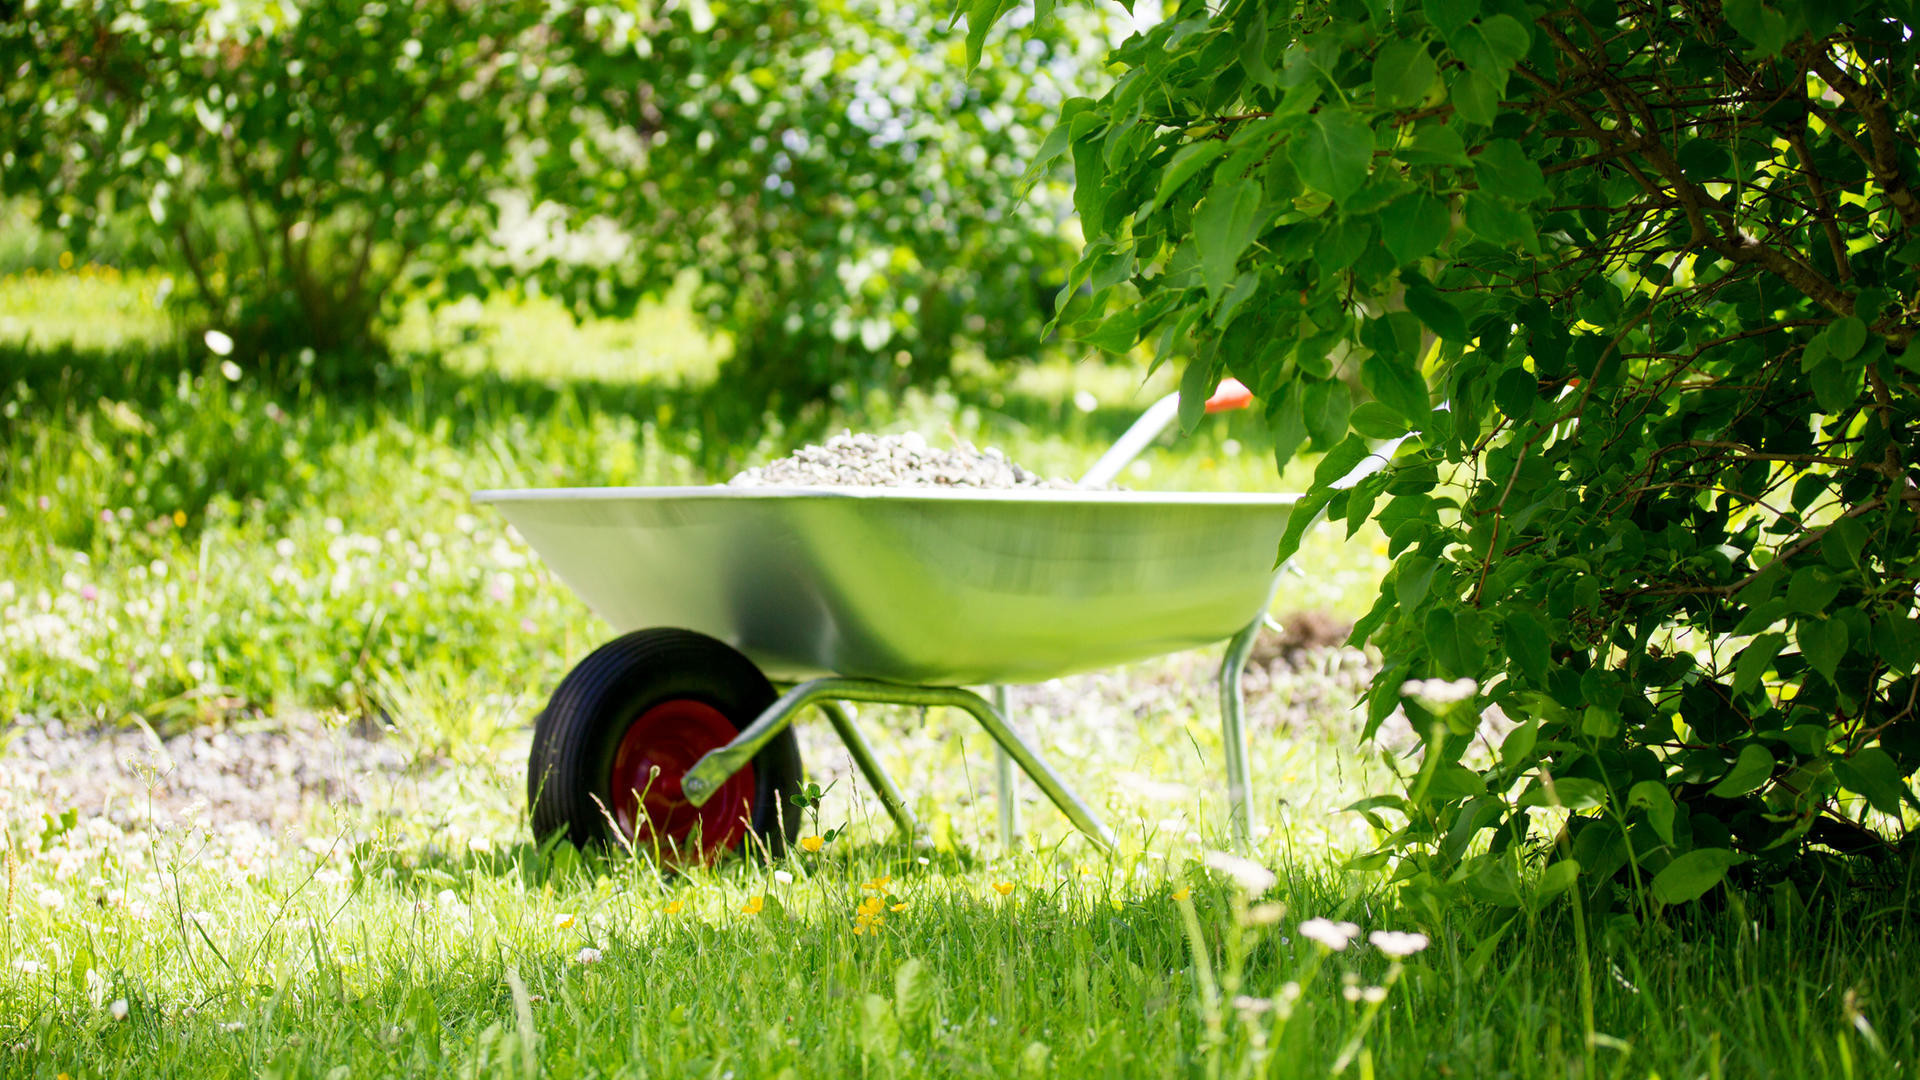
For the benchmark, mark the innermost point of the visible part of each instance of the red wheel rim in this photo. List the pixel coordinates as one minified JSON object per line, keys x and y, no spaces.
{"x":650,"y":808}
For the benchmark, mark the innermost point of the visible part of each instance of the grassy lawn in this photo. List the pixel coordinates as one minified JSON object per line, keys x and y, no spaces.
{"x":190,"y":554}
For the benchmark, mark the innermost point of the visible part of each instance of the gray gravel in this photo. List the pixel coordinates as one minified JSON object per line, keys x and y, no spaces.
{"x":269,"y":778}
{"x":849,"y":460}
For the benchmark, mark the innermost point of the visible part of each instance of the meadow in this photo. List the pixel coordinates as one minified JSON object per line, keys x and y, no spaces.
{"x":191,"y":547}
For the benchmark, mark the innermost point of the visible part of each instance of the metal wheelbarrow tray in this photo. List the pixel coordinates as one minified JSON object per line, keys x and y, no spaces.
{"x":901,"y":595}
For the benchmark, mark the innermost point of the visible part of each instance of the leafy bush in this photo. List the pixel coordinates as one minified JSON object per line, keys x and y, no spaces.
{"x":816,"y":166}
{"x":1639,"y":282}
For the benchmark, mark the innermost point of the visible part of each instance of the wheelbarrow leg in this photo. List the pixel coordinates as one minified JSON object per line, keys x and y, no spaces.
{"x":1037,"y":770}
{"x":1233,"y":733}
{"x":712,"y":770}
{"x":862,"y":753}
{"x":1005,"y":778}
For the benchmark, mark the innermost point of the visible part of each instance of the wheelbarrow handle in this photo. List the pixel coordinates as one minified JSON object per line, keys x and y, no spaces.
{"x":1231,"y":394}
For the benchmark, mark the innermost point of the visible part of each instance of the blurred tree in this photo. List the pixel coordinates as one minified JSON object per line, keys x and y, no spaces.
{"x":815,"y":168}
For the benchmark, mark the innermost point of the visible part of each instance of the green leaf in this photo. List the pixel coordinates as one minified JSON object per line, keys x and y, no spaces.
{"x":1340,"y":461}
{"x":1187,"y":161}
{"x":1751,"y":769}
{"x":1448,"y":16}
{"x":1823,"y":642}
{"x":980,"y":17}
{"x":1525,"y":639}
{"x":1872,"y":772}
{"x":1491,"y":47}
{"x":1499,"y":223}
{"x":1303,"y":515}
{"x":1835,"y":385}
{"x":1196,"y":386}
{"x":1413,"y":225}
{"x":1755,"y":659}
{"x":1333,"y":152}
{"x":1117,"y":333}
{"x":1403,"y":71}
{"x":1286,"y":420}
{"x":1433,"y":144}
{"x":1516,"y":393}
{"x":1437,"y":312}
{"x":1758,"y":23}
{"x":1398,"y":385}
{"x":1504,"y":168}
{"x":1253,"y":48}
{"x":1325,"y":407}
{"x":1475,"y":98}
{"x":1223,"y":227}
{"x":1376,"y":421}
{"x":1658,"y":802}
{"x":1844,"y":337}
{"x":1412,"y":577}
{"x":1811,"y":591}
{"x":1442,"y":632}
{"x":1554,"y":880}
{"x":1571,"y":792}
{"x":1688,"y":877}
{"x":1089,"y":185}
{"x":1451,"y":783}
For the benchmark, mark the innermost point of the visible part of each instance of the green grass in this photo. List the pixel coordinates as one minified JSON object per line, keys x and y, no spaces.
{"x":184,"y":544}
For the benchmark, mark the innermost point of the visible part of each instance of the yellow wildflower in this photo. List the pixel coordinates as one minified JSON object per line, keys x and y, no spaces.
{"x":901,"y":906}
{"x":1003,"y":887}
{"x":878,"y":884}
{"x":563,"y":921}
{"x":753,"y":905}
{"x":1182,"y":893}
{"x":811,"y":844}
{"x":179,"y":519}
{"x":674,"y":907}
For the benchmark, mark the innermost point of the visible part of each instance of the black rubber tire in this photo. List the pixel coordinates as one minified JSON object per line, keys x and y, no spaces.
{"x":575,"y":737}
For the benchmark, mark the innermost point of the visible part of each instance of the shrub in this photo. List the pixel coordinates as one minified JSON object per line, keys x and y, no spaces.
{"x":1638,"y":281}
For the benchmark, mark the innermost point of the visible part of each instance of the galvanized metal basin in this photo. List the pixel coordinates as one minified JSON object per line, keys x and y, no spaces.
{"x":927,"y":587}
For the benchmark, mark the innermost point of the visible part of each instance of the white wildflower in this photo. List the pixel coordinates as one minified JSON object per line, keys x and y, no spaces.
{"x":118,"y":1010}
{"x":1397,"y":944}
{"x":783,"y":877}
{"x":1333,"y":935}
{"x":219,"y":344}
{"x":1245,"y":873}
{"x":52,"y":899}
{"x":1266,"y":914}
{"x":1374,"y":995}
{"x":588,"y":955}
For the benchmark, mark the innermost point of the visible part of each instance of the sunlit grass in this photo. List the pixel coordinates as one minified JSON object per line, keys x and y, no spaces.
{"x":186,"y":546}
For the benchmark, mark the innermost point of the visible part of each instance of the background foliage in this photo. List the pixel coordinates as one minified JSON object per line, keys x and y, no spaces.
{"x":815,"y":168}
{"x":1638,"y":281}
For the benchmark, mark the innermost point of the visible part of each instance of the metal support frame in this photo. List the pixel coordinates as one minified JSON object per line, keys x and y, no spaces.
{"x":1004,"y":779}
{"x":1233,"y":733}
{"x":716,"y":766}
{"x":1233,"y":723}
{"x":862,"y":753}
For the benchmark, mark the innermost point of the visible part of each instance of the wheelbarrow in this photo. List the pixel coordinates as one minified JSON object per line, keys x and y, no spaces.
{"x":743,"y":606}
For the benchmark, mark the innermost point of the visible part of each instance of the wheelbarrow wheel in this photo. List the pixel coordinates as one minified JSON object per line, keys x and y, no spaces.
{"x":623,"y":728}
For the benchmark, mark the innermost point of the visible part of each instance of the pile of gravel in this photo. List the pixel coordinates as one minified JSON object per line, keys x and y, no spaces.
{"x":849,"y":460}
